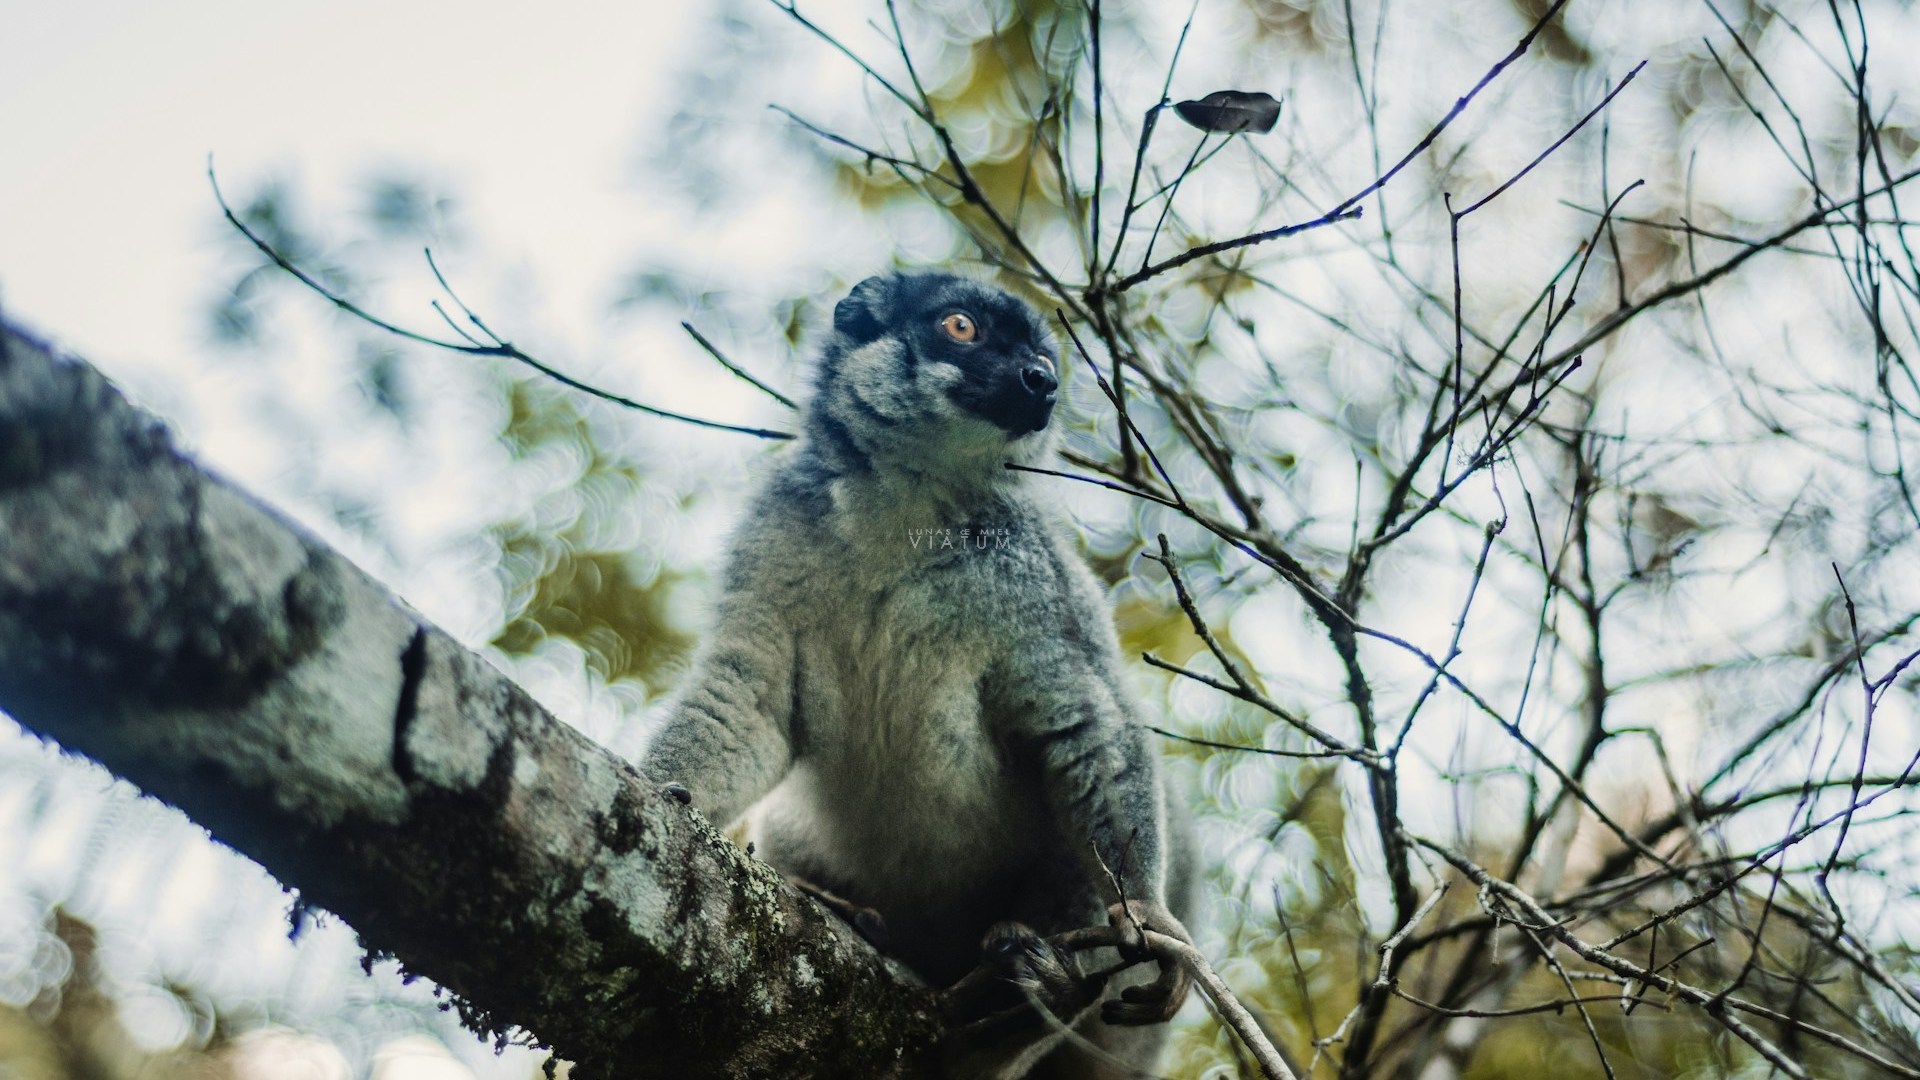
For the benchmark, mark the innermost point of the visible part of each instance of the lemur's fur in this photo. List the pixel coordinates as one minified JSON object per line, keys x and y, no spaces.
{"x":913,"y":690}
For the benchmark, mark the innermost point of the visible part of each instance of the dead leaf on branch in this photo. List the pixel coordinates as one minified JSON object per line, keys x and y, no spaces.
{"x":1232,"y":112}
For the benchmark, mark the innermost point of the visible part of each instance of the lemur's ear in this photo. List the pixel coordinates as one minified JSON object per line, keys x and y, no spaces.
{"x":858,"y":316}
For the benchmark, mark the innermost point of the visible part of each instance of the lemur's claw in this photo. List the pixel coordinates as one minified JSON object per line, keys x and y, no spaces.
{"x":1157,"y":1001}
{"x":1034,"y":965}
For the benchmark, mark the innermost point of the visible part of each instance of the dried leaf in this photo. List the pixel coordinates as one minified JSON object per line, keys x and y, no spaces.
{"x":1232,"y":111}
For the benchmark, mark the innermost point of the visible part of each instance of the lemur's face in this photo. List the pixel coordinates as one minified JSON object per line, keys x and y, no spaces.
{"x":980,"y":351}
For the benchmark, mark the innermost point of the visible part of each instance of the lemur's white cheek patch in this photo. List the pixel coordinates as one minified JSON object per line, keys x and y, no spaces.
{"x":940,"y":376}
{"x":937,"y":381}
{"x":874,"y":373}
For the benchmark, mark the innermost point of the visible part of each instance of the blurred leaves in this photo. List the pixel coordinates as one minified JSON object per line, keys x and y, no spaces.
{"x":64,"y":1018}
{"x":406,"y":207}
{"x":1007,"y":95}
{"x":1559,"y":40}
{"x":60,"y":1019}
{"x":574,"y":568}
{"x":595,"y":599}
{"x":380,"y":377}
{"x":270,"y":213}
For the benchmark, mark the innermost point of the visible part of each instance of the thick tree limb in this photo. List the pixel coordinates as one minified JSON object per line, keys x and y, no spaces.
{"x":159,"y":621}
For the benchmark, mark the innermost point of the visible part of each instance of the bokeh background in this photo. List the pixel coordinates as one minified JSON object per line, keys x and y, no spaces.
{"x":589,"y":176}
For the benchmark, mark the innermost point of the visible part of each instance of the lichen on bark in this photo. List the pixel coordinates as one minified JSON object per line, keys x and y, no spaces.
{"x":157,"y":619}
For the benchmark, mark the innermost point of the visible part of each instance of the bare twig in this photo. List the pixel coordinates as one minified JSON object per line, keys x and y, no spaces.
{"x":467,"y":347}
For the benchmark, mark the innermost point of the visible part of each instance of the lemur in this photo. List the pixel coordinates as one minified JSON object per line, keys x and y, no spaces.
{"x":914,"y":690}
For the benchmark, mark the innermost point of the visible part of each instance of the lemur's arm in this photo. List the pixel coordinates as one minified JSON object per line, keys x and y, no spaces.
{"x":726,"y":733}
{"x":1102,"y":786}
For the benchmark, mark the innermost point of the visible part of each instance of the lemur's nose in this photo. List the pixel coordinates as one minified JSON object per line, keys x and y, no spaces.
{"x":1038,"y":378}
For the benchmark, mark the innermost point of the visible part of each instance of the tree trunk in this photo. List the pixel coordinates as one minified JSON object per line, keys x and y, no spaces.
{"x":161,"y":622}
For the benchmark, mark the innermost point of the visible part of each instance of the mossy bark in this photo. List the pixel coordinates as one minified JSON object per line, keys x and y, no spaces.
{"x":159,"y":621}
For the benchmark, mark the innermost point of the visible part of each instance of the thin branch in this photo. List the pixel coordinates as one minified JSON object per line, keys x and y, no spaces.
{"x":1349,"y":207}
{"x":500,"y":348}
{"x":739,"y":371}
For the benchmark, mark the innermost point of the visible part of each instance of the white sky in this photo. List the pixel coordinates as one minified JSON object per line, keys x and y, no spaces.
{"x":109,"y":109}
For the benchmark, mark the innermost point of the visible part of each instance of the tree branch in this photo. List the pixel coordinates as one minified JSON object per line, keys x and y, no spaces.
{"x":159,"y":621}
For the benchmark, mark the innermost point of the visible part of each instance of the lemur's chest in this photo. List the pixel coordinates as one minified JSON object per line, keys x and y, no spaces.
{"x":892,"y":671}
{"x":910,"y":616}
{"x":890,"y":719}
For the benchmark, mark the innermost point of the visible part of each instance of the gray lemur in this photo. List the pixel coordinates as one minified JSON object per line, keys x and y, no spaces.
{"x":914,"y":691}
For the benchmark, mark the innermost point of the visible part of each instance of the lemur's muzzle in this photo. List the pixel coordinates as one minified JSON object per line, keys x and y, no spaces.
{"x":1033,"y":403}
{"x":1016,"y":394}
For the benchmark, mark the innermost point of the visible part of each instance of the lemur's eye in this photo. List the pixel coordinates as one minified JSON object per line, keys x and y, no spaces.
{"x":960,"y":327}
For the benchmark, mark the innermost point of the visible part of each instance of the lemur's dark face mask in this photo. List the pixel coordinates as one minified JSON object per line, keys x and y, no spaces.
{"x":1005,"y":357}
{"x":1008,"y":376}
{"x":1014,"y":392}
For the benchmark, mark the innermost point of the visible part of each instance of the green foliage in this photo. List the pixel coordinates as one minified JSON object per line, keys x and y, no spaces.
{"x":1008,"y":100}
{"x":569,"y":570}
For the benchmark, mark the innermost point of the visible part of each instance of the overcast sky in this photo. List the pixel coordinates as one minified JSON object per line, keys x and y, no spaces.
{"x":109,"y":109}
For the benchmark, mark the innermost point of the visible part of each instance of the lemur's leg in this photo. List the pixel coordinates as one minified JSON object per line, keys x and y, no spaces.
{"x":865,"y":921}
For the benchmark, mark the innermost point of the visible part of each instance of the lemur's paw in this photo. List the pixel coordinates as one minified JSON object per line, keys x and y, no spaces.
{"x":866,"y":922}
{"x":678,"y":792}
{"x":1155,"y":1002}
{"x":1038,"y":968}
{"x":869,"y":924}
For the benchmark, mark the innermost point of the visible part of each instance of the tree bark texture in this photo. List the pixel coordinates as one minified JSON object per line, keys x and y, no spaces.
{"x":161,"y":622}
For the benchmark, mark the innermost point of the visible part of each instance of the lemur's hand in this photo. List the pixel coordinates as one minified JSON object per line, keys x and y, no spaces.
{"x":1158,"y":1000}
{"x":1035,"y":966}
